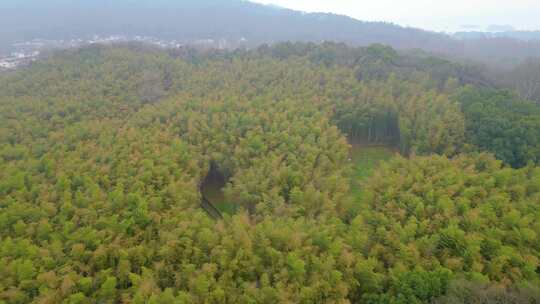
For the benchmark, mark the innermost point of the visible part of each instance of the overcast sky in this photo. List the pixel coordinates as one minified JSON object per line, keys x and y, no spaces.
{"x":438,"y":15}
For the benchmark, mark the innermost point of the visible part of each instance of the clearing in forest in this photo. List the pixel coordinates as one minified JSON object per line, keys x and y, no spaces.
{"x":212,"y":189}
{"x":365,"y":160}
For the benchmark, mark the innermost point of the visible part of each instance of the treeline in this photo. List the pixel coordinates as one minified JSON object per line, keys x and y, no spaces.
{"x":103,"y":151}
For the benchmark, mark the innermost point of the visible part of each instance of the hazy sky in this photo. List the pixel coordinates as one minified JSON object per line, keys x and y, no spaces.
{"x":439,"y":15}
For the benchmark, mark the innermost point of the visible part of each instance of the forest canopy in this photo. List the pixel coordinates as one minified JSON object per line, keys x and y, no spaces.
{"x":104,"y":151}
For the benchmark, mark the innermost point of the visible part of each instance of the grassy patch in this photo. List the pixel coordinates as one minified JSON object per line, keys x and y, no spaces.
{"x":227,"y":208}
{"x":212,"y":190}
{"x":365,"y":160}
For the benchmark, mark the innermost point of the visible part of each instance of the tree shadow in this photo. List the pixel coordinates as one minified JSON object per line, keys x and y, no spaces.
{"x":212,"y":190}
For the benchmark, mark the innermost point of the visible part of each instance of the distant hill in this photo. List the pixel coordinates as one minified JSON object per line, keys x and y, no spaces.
{"x":500,"y":28}
{"x":232,"y":23}
{"x":192,"y":20}
{"x":519,"y":35}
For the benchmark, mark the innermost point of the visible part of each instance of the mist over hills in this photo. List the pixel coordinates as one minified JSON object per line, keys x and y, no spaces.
{"x":519,"y":35}
{"x":237,"y":22}
{"x":193,"y":20}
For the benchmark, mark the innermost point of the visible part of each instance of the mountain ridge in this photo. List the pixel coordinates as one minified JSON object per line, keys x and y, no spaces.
{"x":236,"y":20}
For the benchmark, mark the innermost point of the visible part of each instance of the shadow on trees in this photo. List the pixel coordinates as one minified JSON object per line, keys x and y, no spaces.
{"x":212,"y":190}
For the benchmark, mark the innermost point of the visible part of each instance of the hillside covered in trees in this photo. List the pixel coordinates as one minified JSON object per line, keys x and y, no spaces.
{"x":241,"y":23}
{"x":104,"y":151}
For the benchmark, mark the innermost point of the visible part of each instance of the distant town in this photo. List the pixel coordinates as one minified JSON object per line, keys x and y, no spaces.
{"x":24,"y":53}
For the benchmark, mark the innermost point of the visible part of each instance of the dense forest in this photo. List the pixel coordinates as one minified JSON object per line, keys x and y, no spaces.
{"x":104,"y":152}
